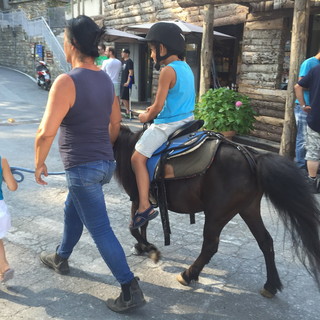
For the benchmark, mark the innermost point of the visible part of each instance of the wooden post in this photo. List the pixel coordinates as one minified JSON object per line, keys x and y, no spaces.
{"x":206,"y":49}
{"x":72,"y":8}
{"x":101,"y":7}
{"x":299,"y":37}
{"x":79,"y":6}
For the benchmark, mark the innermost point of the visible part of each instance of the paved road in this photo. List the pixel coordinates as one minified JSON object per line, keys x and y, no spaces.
{"x":229,"y":285}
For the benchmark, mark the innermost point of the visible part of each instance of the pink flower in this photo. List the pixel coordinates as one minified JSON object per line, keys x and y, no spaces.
{"x":238,"y":104}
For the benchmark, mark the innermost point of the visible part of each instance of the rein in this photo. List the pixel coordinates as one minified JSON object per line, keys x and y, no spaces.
{"x":17,"y":171}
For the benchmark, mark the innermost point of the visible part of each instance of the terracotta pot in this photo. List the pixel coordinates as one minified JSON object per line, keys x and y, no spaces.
{"x":228,"y":134}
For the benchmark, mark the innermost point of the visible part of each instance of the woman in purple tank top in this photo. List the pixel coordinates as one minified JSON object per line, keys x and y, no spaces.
{"x":83,"y":105}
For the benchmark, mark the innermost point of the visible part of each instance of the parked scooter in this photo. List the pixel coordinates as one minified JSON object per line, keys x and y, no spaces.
{"x":43,"y":75}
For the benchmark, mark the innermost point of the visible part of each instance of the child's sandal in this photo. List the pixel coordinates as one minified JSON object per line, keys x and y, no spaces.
{"x":141,"y":218}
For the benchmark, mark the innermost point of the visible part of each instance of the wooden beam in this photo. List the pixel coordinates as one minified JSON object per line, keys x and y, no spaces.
{"x":197,"y":3}
{"x":299,"y":37}
{"x":206,"y":49}
{"x":270,"y":15}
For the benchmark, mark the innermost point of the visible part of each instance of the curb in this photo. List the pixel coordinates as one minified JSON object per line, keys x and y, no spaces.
{"x":27,"y":75}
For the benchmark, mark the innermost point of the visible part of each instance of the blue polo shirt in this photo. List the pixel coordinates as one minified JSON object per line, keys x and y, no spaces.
{"x":312,"y":82}
{"x":305,"y":67}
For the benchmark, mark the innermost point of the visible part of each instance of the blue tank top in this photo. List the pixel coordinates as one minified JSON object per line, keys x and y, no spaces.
{"x":84,"y":131}
{"x":180,"y":100}
{"x":1,"y":194}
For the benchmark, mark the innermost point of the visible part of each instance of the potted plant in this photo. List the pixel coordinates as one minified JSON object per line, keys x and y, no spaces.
{"x":225,"y":110}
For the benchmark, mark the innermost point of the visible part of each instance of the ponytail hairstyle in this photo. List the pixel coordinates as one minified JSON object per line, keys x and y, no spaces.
{"x":85,"y":35}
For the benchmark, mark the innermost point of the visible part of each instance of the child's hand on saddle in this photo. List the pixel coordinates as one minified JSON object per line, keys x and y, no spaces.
{"x":144,"y":117}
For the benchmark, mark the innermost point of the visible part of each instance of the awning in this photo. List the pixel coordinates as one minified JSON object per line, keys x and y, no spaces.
{"x":187,"y":28}
{"x":114,"y":35}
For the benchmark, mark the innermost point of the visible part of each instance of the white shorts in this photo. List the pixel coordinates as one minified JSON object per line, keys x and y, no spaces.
{"x":156,"y":135}
{"x":5,"y":219}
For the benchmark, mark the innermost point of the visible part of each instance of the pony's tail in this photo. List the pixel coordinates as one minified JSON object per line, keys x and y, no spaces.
{"x":284,"y":184}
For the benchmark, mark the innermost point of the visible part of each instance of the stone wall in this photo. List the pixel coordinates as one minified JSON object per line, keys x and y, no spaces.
{"x":16,"y":51}
{"x":35,"y":8}
{"x":121,"y":13}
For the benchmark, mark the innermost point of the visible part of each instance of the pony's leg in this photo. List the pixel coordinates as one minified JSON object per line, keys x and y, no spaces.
{"x":252,"y":217}
{"x":211,"y":234}
{"x":143,"y":246}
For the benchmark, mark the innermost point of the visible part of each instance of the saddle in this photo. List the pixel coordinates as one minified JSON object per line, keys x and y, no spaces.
{"x":187,"y":153}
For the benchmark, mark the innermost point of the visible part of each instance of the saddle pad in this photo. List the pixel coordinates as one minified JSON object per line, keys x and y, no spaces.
{"x":193,"y":163}
{"x":180,"y":145}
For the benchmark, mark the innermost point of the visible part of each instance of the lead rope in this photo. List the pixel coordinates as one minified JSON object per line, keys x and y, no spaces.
{"x":16,"y":171}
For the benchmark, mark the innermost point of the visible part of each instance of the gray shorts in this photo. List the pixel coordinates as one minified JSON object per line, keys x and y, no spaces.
{"x":312,"y":145}
{"x":156,"y":135}
{"x":116,"y":88}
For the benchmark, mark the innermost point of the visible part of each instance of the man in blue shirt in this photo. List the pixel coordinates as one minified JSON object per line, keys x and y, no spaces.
{"x":300,"y":115}
{"x":312,"y":82}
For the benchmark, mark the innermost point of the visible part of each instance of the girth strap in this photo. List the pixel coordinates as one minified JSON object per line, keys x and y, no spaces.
{"x":162,"y":201}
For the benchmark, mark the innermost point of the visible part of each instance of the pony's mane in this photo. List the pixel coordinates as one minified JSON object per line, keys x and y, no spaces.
{"x":123,"y":149}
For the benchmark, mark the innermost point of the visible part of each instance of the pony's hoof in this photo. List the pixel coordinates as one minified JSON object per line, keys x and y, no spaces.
{"x":138,"y":250}
{"x":267,"y":294}
{"x":155,"y":255}
{"x":181,"y":280}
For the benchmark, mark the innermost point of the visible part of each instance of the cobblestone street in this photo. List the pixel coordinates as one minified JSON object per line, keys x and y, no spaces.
{"x":228,"y":287}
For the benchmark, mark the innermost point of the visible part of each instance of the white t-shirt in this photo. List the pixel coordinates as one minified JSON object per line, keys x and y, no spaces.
{"x":112,"y":67}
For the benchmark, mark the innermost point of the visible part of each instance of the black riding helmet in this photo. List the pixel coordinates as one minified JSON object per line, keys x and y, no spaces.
{"x":170,"y":35}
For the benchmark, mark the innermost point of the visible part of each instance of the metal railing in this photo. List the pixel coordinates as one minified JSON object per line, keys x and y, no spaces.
{"x":36,"y":28}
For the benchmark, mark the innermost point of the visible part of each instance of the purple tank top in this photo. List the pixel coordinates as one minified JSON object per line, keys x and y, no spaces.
{"x":84,"y":134}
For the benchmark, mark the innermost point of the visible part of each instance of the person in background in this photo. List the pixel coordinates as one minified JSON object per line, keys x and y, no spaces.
{"x":83,"y":105}
{"x":311,"y":82}
{"x":112,"y":67}
{"x":127,"y":79}
{"x":102,"y":56}
{"x":6,"y":273}
{"x":300,"y":115}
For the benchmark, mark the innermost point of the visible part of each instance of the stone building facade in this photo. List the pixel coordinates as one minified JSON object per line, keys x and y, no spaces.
{"x":261,"y":49}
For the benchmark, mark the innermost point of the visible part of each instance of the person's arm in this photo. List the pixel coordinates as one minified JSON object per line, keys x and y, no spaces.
{"x":303,"y":83}
{"x":104,"y":65}
{"x":61,"y":98}
{"x":299,"y":95}
{"x":130,"y":73}
{"x":115,"y":120}
{"x":8,"y":176}
{"x":167,"y":80}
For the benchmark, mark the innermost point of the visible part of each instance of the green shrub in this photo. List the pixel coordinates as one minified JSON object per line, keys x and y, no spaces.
{"x":225,"y":110}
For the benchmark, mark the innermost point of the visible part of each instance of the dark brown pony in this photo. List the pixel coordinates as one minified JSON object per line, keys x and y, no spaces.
{"x":231,"y":187}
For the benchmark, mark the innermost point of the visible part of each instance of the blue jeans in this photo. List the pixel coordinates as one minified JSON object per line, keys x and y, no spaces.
{"x":85,"y":206}
{"x":301,"y":123}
